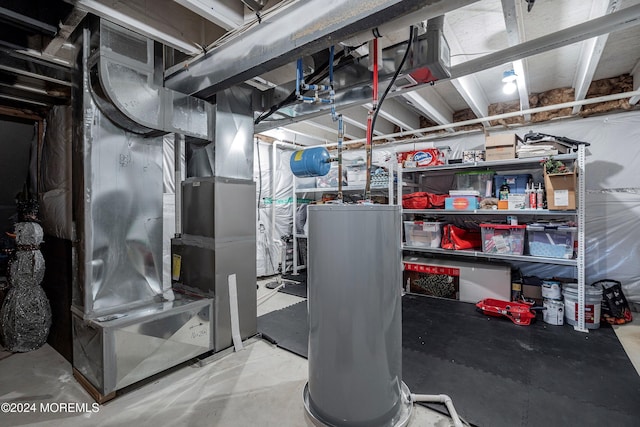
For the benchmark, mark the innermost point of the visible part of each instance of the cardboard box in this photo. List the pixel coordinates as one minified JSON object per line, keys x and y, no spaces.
{"x":501,"y":147}
{"x":561,"y":191}
{"x":461,"y":203}
{"x":422,"y":158}
{"x":466,"y":281}
{"x":516,"y":201}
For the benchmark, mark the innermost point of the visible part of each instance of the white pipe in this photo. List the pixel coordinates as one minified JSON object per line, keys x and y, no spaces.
{"x":440,"y":398}
{"x":265,"y":297}
{"x":605,"y":98}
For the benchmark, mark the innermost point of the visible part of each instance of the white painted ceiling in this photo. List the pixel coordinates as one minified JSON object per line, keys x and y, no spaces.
{"x":482,"y":28}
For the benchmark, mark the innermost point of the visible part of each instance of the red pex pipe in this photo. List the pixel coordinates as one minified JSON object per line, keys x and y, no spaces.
{"x":367,"y":189}
{"x":375,"y":73}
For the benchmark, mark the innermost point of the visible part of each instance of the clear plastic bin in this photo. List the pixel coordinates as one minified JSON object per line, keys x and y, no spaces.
{"x":423,"y":233}
{"x":480,"y":181}
{"x":503,"y":239}
{"x":517,"y":183}
{"x":552,"y":241}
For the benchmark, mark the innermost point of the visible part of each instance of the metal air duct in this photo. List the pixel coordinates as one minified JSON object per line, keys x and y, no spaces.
{"x":428,"y":62}
{"x":126,"y":87}
{"x":299,"y":30}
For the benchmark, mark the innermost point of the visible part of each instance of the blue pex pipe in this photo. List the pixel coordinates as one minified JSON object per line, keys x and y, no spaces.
{"x":316,"y":87}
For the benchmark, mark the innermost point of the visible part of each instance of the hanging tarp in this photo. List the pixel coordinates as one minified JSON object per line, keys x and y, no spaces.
{"x":275,"y":206}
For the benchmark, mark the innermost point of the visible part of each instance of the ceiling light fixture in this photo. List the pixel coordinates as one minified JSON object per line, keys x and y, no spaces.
{"x":508,"y":76}
{"x":509,"y":80}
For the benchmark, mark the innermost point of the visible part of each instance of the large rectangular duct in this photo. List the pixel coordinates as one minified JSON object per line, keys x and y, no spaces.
{"x":218,"y":236}
{"x":127,"y":324}
{"x":115,"y":351}
{"x":126,"y":85}
{"x":303,"y":28}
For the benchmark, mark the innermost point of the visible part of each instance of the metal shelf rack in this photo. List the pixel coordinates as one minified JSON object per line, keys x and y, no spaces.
{"x":512,"y":164}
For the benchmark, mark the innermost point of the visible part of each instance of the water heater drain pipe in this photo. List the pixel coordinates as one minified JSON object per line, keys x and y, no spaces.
{"x":440,"y":398}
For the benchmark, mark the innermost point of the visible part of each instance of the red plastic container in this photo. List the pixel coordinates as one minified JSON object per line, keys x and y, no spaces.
{"x":519,"y":313}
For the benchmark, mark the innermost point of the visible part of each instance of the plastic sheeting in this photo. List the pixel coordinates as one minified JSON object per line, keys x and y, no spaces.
{"x":273,"y":202}
{"x":612,"y":193}
{"x":55,"y":174}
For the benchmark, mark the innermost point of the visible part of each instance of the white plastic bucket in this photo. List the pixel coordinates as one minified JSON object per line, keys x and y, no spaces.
{"x":554,"y":311}
{"x":592,"y":301}
{"x":551,"y":289}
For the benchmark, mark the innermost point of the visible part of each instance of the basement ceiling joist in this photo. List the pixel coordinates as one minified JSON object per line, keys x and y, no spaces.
{"x":590,"y":53}
{"x":558,"y":44}
{"x":513,"y":19}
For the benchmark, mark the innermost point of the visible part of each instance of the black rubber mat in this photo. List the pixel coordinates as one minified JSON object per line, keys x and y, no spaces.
{"x":288,"y":328}
{"x":499,"y":373}
{"x":300,"y":277}
{"x":295,"y":284}
{"x":295,"y":288}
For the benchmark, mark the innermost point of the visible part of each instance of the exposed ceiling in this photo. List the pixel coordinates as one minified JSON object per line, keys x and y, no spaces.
{"x":549,"y":46}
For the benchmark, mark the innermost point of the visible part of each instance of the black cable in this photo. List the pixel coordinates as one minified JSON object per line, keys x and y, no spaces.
{"x":393,"y":80}
{"x":317,"y":76}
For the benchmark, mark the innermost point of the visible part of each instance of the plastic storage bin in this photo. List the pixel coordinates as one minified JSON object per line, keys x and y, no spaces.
{"x":423,"y":233}
{"x":503,"y":239}
{"x":551,"y":241}
{"x":517,"y":183}
{"x":480,"y":181}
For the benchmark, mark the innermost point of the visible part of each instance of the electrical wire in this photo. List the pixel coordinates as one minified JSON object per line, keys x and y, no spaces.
{"x":377,"y":105}
{"x":393,"y":80}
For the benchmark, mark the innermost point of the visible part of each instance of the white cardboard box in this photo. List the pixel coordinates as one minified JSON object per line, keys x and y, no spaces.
{"x":477,"y":280}
{"x":516,"y":201}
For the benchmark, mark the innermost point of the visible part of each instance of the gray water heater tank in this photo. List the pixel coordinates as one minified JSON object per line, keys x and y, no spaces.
{"x":355,"y":314}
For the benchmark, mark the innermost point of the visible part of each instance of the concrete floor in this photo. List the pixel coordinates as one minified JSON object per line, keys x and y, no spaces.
{"x":260,"y":386}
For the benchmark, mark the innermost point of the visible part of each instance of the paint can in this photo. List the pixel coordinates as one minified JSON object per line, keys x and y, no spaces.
{"x":592,"y":301}
{"x":554,"y":311}
{"x":551,"y":289}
